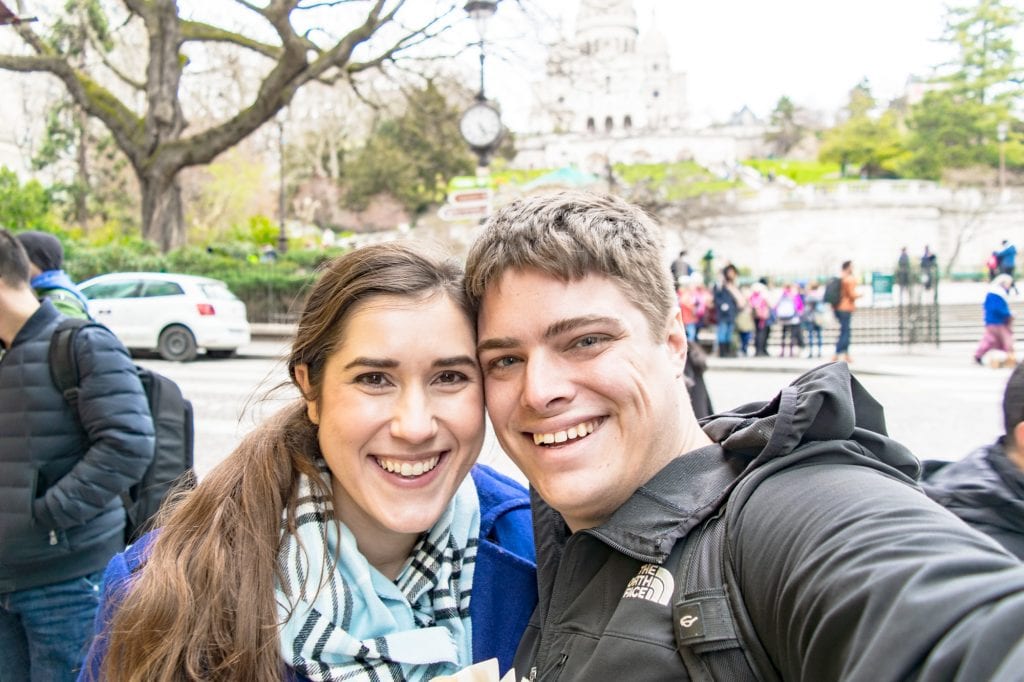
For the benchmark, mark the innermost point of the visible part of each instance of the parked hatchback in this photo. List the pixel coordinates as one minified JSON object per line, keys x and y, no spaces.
{"x":175,"y":315}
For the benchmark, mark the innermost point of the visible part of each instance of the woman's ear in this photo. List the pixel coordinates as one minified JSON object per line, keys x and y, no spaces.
{"x":302,"y":379}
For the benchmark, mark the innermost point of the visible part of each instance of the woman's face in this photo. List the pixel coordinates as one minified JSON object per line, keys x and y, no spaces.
{"x":400,"y":413}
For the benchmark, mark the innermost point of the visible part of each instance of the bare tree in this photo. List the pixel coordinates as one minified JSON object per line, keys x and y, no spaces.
{"x":154,"y":135}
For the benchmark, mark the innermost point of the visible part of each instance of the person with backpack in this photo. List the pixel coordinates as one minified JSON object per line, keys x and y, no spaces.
{"x":46,"y":262}
{"x":786,"y":539}
{"x":843,"y":305}
{"x":350,"y":536}
{"x":63,"y":470}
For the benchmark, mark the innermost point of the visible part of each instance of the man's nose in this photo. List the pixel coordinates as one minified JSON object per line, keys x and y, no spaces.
{"x":546,"y":382}
{"x":414,"y":419}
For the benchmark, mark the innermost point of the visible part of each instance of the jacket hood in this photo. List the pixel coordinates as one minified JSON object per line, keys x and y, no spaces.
{"x":985,"y":488}
{"x":824,"y":414}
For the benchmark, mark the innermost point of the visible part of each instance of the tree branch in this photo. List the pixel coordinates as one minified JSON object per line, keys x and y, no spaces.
{"x":198,"y":32}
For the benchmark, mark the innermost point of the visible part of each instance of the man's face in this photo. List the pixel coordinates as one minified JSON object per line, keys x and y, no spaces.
{"x":581,"y":396}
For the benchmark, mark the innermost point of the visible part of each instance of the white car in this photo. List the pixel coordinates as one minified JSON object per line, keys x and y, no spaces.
{"x":175,"y":315}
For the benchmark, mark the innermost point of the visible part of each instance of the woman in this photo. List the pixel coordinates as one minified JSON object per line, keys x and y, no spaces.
{"x":342,"y":539}
{"x":728,"y":301}
{"x":998,"y":321}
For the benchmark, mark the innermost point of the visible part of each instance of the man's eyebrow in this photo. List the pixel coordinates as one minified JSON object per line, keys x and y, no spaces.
{"x":555,"y":329}
{"x":573,"y":323}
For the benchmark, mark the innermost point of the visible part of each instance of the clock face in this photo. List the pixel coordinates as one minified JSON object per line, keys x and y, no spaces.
{"x":481,"y":125}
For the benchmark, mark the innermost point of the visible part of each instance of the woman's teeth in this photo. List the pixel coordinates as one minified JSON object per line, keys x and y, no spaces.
{"x":406,"y":468}
{"x":572,"y":433}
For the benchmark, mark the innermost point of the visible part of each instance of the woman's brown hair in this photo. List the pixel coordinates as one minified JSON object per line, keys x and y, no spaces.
{"x":203,"y":606}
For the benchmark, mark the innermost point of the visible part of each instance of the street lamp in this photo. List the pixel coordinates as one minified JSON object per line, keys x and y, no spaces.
{"x":1001,"y":136}
{"x":481,"y":124}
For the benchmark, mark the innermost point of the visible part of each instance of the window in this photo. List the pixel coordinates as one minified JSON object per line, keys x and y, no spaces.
{"x":627,"y":122}
{"x":591,"y":126}
{"x":127,"y":289}
{"x":608,"y":123}
{"x":159,"y":288}
{"x":655,"y":94}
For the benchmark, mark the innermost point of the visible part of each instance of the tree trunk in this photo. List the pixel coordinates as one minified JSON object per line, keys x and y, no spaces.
{"x":163,"y":218}
{"x":84,"y":184}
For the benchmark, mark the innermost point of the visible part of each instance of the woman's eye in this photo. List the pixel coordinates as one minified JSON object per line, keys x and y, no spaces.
{"x":451,"y":377}
{"x":372,"y":379}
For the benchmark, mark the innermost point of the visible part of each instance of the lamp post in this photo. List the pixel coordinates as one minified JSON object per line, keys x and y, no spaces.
{"x":481,"y":124}
{"x":282,"y":237}
{"x":1001,"y":136}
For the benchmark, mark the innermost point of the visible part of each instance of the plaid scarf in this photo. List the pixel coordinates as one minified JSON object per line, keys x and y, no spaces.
{"x":343,"y":620}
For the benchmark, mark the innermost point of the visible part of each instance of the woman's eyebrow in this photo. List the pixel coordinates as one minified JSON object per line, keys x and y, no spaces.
{"x":387,"y":363}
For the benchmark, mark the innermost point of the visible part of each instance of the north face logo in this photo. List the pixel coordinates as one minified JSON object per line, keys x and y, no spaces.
{"x":652,"y":583}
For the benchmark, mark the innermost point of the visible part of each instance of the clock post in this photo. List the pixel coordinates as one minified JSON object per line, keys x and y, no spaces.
{"x":481,"y":125}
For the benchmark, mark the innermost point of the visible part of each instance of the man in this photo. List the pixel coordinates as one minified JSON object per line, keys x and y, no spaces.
{"x":1007,"y":257}
{"x":62,"y":471}
{"x":986,"y":488}
{"x":848,"y":296}
{"x":843,"y":568}
{"x":998,"y":321}
{"x":46,"y":260}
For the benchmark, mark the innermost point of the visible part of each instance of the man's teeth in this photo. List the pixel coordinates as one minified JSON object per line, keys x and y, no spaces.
{"x":572,"y":433}
{"x":406,"y":468}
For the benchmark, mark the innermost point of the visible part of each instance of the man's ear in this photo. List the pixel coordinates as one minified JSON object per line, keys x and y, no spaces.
{"x":302,"y":379}
{"x":1016,"y":455}
{"x":675,"y":341}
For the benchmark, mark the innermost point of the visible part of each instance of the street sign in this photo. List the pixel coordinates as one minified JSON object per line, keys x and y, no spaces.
{"x":469,"y":196}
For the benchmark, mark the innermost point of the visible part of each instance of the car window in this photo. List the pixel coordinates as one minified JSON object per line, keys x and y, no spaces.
{"x":217,"y":291}
{"x":127,"y":288}
{"x":161,"y":288}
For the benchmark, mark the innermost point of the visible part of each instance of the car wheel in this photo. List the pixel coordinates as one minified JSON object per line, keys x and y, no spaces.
{"x":177,"y":344}
{"x":221,"y":353}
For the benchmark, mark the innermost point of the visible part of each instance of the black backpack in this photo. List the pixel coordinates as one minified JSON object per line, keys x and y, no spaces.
{"x":833,"y":291}
{"x":172,"y":422}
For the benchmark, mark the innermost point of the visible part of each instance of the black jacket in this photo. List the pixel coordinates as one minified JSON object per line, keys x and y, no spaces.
{"x":847,"y":571}
{"x":986,"y":490}
{"x":60,"y":478}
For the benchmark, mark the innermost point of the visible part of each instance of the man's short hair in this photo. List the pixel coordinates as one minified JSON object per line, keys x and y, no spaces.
{"x":1013,"y":403}
{"x":846,"y":264}
{"x":569,"y":235}
{"x":43,"y":249}
{"x":14,"y":266}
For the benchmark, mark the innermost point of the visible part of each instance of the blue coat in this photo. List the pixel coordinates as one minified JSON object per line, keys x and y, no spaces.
{"x":997,"y":310}
{"x":504,"y":580}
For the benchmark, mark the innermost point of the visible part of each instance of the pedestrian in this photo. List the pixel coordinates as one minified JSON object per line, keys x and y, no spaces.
{"x":903,"y":269}
{"x":48,"y":279}
{"x":728,"y":301}
{"x":1007,"y":257}
{"x":681,"y":266}
{"x":929,"y":268}
{"x":687,"y":295}
{"x":998,"y":321}
{"x":834,"y":564}
{"x":745,"y":323}
{"x":844,"y":310}
{"x":64,"y":470}
{"x":986,"y":488}
{"x":813,"y":320}
{"x":350,"y":535}
{"x":788,"y":311}
{"x":763,"y":317}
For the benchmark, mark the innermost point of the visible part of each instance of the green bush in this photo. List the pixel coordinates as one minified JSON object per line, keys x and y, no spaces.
{"x":801,"y":172}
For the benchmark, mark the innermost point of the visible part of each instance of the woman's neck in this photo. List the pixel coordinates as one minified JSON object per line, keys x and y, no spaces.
{"x":384,"y":549}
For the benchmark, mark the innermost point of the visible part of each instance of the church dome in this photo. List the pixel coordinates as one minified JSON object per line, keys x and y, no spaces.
{"x":604,"y":19}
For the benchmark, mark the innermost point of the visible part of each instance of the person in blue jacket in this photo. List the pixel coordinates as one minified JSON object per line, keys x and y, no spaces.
{"x":350,"y":536}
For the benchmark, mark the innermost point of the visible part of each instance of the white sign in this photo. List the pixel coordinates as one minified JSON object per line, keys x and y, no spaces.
{"x":467,"y":204}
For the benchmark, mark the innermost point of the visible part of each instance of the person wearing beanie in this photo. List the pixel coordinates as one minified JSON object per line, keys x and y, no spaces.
{"x":46,"y":261}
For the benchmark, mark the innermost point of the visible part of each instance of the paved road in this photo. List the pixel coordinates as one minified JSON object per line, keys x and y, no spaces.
{"x":937,"y":402}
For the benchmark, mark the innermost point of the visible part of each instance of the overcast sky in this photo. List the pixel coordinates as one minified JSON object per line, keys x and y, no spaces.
{"x":751,"y":52}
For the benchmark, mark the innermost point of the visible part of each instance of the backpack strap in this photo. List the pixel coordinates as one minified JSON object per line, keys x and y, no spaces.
{"x":713,"y":631}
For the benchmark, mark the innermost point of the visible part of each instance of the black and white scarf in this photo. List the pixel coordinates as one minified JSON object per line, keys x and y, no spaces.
{"x":344,"y":620}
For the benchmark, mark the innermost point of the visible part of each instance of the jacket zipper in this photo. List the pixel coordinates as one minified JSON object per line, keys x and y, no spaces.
{"x":554,"y":611}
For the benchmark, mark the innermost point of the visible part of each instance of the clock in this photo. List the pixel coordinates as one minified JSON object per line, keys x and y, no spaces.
{"x":481,"y":126}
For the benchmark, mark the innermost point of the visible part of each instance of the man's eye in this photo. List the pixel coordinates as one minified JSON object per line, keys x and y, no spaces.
{"x":589,"y":341}
{"x":504,"y":362}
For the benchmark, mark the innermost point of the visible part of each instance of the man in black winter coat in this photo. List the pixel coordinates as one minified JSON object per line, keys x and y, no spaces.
{"x":61,"y":474}
{"x":986,"y":488}
{"x":838,"y":567}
